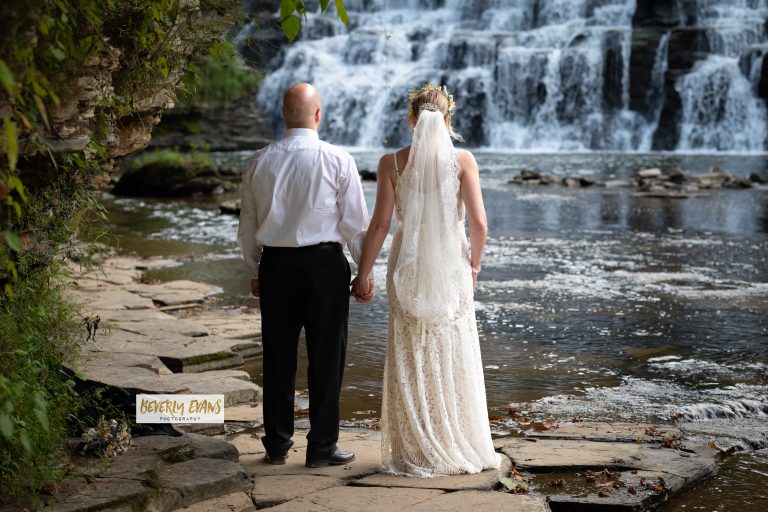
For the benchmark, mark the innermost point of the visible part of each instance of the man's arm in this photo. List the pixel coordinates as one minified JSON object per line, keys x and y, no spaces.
{"x":354,"y":212}
{"x":250,"y":249}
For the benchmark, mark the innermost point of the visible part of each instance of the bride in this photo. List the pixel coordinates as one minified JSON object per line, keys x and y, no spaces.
{"x":434,"y":414}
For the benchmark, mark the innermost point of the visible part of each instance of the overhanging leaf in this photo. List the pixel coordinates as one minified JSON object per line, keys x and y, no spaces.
{"x":324,"y":5}
{"x":6,"y":78}
{"x":291,"y":26}
{"x":6,"y":425}
{"x":13,"y":241}
{"x":10,"y":142}
{"x":342,"y":12}
{"x":24,"y":438}
{"x":286,"y":8}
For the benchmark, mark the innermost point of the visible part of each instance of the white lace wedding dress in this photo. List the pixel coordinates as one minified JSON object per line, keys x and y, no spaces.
{"x":434,"y":412}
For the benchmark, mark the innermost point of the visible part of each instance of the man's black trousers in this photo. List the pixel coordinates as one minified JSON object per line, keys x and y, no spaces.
{"x":303,"y":287}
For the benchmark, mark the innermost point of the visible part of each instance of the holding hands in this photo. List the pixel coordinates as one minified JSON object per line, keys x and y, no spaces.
{"x":362,"y":289}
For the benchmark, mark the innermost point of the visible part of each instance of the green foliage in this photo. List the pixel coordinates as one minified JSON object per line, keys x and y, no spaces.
{"x":47,"y":197}
{"x":168,"y":158}
{"x":291,"y":12}
{"x":36,"y":398}
{"x":219,"y":79}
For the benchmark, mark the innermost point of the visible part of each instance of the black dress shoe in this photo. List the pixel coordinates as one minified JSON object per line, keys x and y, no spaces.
{"x":278,"y":459}
{"x":337,"y":458}
{"x":275,"y":459}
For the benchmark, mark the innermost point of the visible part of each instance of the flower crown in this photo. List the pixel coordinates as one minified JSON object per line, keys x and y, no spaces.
{"x":429,"y":87}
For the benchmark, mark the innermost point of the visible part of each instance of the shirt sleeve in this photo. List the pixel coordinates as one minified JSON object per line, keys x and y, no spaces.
{"x":250,"y":248}
{"x":354,"y":212}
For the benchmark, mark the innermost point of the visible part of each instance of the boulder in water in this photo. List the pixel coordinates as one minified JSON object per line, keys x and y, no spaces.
{"x":171,"y":174}
{"x":649,"y":173}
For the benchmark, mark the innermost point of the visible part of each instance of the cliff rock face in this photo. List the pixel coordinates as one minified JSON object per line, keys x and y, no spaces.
{"x":88,"y":114}
{"x":240,"y":125}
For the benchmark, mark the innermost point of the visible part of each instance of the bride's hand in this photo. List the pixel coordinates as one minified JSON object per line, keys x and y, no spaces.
{"x":474,"y":281}
{"x":362,"y":289}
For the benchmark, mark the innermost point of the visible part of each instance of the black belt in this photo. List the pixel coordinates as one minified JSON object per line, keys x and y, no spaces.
{"x":326,"y":246}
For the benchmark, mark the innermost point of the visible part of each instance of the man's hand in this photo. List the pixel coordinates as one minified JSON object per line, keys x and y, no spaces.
{"x":362,"y":289}
{"x":255,"y":287}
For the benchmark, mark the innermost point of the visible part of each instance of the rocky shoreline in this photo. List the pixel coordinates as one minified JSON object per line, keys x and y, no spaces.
{"x":675,"y":183}
{"x":136,"y":345}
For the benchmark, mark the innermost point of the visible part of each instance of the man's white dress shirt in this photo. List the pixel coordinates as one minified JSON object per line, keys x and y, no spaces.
{"x":300,"y":191}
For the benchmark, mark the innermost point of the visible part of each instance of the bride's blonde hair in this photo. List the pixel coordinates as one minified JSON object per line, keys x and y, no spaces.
{"x":436,"y":98}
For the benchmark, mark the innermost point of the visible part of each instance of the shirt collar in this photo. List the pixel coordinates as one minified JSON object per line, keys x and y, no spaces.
{"x":300,"y":132}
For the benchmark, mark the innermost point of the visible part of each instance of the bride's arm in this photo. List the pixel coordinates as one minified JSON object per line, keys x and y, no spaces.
{"x":473,"y":202}
{"x":379,"y":226}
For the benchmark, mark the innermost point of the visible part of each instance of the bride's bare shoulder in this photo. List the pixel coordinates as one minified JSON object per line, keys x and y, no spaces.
{"x":466,"y":161}
{"x":395,"y":160}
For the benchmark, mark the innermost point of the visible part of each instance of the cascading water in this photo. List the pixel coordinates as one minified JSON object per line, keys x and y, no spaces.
{"x":535,"y":75}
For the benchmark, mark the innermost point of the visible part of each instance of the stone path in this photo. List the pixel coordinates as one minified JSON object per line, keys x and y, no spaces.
{"x":568,"y":466}
{"x":141,"y":347}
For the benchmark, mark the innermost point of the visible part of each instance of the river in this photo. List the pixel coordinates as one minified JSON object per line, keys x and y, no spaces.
{"x":592,"y":303}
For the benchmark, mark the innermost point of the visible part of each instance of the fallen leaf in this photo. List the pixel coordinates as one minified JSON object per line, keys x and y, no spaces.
{"x":590,"y":479}
{"x":631,"y":489}
{"x":557,"y":483}
{"x":539,"y":428}
{"x":604,"y":493}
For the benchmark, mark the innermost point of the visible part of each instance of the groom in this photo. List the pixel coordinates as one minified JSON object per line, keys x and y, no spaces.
{"x":301,"y":200}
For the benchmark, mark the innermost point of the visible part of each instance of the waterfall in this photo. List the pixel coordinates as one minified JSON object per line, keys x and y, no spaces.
{"x":534,"y":75}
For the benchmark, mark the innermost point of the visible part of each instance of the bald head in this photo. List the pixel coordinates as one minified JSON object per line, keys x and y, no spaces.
{"x":301,"y":106}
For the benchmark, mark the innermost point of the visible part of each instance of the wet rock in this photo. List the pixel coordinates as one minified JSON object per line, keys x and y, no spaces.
{"x":577,"y":182}
{"x":667,"y":471}
{"x":528,"y":174}
{"x":230,"y":207}
{"x":366,"y":175}
{"x":756,"y":178}
{"x":677,"y":175}
{"x":617,"y":184}
{"x":649,"y":173}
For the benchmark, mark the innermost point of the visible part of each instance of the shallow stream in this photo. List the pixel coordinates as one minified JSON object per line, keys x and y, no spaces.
{"x":592,"y":303}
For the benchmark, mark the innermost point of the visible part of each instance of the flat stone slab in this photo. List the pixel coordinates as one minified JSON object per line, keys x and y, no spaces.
{"x":369,"y":499}
{"x":269,"y":491}
{"x":547,"y":455}
{"x":367,"y":448}
{"x":101,"y":494}
{"x":158,"y":327}
{"x":199,"y":479}
{"x":234,"y":384}
{"x":463,"y":501}
{"x":299,"y":505}
{"x":91,"y":359}
{"x":612,"y":432}
{"x":233,"y":324}
{"x":127,"y":315}
{"x":179,"y":353}
{"x":174,"y":293}
{"x":666,"y":471}
{"x":482,"y":481}
{"x":234,"y":502}
{"x":246,"y":413}
{"x":109,"y":298}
